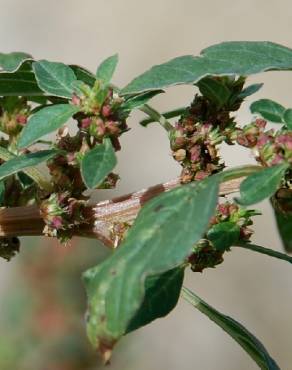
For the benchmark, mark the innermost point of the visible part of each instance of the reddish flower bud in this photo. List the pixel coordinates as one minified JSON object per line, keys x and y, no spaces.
{"x":262,"y":140}
{"x":286,"y":140}
{"x":112,"y":127}
{"x":223,"y":209}
{"x":178,"y":143}
{"x":179,"y":127}
{"x":56,"y":222}
{"x":201,"y":175}
{"x":195,"y":153}
{"x":261,"y":123}
{"x":245,"y":233}
{"x":85,"y":122}
{"x":278,"y":158}
{"x":70,"y":158}
{"x":206,"y":127}
{"x":21,"y":119}
{"x":100,"y":127}
{"x":106,"y":110}
{"x":242,"y":140}
{"x":75,"y":100}
{"x":179,"y":155}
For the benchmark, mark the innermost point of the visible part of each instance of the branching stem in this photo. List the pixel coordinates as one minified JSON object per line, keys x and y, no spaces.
{"x":20,"y":221}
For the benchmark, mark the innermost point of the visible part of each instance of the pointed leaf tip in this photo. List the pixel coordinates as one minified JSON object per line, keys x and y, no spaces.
{"x":116,"y":287}
{"x":261,"y":185}
{"x":238,"y":332}
{"x":107,"y":68}
{"x":11,"y":62}
{"x":228,"y":58}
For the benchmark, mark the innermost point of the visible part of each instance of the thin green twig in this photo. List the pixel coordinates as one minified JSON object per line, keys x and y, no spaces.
{"x":156,"y":117}
{"x":267,"y":251}
{"x":167,"y":115}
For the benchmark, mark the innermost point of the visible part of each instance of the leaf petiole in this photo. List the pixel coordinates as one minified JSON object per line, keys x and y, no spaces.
{"x":156,"y":117}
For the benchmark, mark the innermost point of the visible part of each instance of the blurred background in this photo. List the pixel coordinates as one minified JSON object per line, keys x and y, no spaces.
{"x":41,"y":296}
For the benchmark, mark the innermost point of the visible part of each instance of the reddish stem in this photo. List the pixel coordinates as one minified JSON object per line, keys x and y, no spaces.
{"x":21,"y":221}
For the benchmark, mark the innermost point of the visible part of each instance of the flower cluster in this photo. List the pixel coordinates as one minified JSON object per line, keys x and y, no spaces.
{"x":195,"y":139}
{"x":233,"y":213}
{"x":65,"y":169}
{"x":18,"y":189}
{"x":208,"y":252}
{"x":270,"y":147}
{"x":61,"y":213}
{"x":100,"y":115}
{"x":204,"y":256}
{"x":14,"y":113}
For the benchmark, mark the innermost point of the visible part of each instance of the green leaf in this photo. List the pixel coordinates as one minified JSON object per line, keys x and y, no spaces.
{"x":24,"y":161}
{"x":32,"y":172}
{"x":45,"y":121}
{"x":238,"y":332}
{"x":267,"y":251}
{"x":161,"y":238}
{"x":261,"y":185}
{"x":287,"y":117}
{"x":250,"y":90}
{"x":268,"y":109}
{"x":224,"y":235}
{"x":12,"y":61}
{"x":41,"y":99}
{"x":10,"y":104}
{"x":284,"y":223}
{"x":25,"y":181}
{"x":228,"y":58}
{"x":214,"y":90}
{"x":107,"y":68}
{"x":97,"y":163}
{"x":83,"y":74}
{"x":139,"y":100}
{"x":54,"y":78}
{"x":20,"y":83}
{"x":79,"y":87}
{"x":162,"y":292}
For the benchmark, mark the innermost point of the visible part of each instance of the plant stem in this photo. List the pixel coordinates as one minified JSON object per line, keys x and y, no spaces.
{"x":156,"y":117}
{"x":102,"y":216}
{"x":170,"y":114}
{"x":267,"y":251}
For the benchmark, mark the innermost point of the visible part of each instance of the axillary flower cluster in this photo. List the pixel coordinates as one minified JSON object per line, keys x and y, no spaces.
{"x":195,"y":143}
{"x":62,"y":208}
{"x":205,"y":125}
{"x":99,"y":117}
